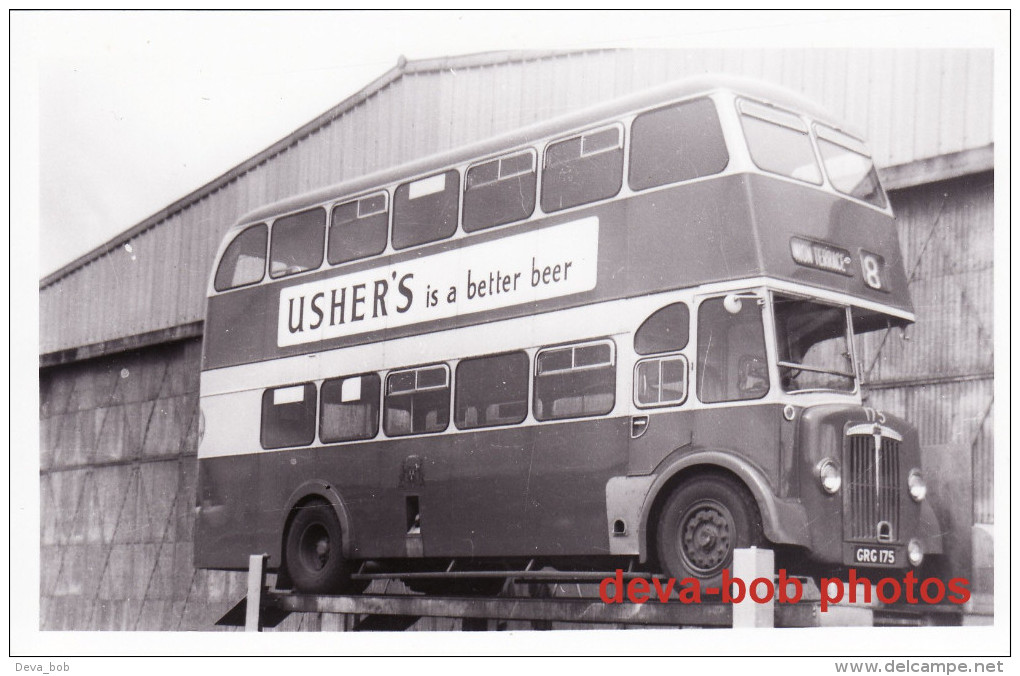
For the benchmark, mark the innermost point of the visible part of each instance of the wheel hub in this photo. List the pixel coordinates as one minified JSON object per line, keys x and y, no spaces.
{"x":706,"y":537}
{"x":315,"y":548}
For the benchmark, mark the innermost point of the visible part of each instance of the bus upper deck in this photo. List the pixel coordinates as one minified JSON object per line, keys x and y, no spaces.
{"x":692,"y":184}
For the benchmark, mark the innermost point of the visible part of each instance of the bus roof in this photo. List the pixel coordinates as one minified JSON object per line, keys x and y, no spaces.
{"x":769,"y":93}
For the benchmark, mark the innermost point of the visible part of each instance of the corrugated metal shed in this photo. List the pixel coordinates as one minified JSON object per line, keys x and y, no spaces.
{"x":913,"y":105}
{"x":939,"y":374}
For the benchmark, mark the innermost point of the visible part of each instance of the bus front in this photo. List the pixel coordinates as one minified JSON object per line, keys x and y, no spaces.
{"x":833,"y":287}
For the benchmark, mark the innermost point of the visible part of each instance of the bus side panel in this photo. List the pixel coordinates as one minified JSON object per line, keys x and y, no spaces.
{"x":689,"y":235}
{"x":366,"y":476}
{"x":573,"y":463}
{"x":529,"y":491}
{"x":240,"y":327}
{"x":229,"y":524}
{"x":672,"y":238}
{"x":750,"y":433}
{"x":475,"y":500}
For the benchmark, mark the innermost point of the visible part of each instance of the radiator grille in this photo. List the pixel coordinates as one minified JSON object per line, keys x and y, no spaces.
{"x":872,"y":496}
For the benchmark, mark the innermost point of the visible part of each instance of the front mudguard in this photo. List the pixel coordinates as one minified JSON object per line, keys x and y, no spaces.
{"x":783,"y":521}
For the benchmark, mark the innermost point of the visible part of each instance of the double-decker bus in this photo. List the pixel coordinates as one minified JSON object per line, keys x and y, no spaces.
{"x":624,"y":336}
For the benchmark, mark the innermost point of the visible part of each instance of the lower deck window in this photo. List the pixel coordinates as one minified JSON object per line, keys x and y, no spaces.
{"x":417,"y":401}
{"x":660,"y":381}
{"x":492,"y":391}
{"x":575,"y":381}
{"x":288,"y":416}
{"x":350,"y":408}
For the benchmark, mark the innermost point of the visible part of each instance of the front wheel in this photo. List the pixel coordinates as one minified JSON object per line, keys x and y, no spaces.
{"x":703,"y":521}
{"x":313,"y":554}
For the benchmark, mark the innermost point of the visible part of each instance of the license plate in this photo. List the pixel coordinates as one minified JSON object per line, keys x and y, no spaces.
{"x":869,"y":555}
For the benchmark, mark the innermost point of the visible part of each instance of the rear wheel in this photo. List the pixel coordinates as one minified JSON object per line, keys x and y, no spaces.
{"x":313,"y":552}
{"x":702,"y":522}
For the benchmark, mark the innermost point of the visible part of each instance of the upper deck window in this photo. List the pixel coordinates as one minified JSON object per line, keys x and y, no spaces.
{"x":849,"y":166}
{"x":297,"y":243}
{"x":358,"y":229}
{"x":676,"y":143}
{"x":575,"y":381}
{"x":417,"y":401}
{"x":500,"y":191}
{"x":244,"y":260}
{"x":779,"y":142}
{"x":426,"y":210}
{"x":582,"y":169}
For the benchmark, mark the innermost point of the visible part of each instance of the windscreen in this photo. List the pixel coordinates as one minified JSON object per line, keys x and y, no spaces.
{"x":812,"y":340}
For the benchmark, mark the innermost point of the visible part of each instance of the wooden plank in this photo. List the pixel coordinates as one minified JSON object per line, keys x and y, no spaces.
{"x":557,"y":610}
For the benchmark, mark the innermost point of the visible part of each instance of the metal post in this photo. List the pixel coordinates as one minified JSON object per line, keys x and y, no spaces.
{"x":750,"y":565}
{"x":256,"y":585}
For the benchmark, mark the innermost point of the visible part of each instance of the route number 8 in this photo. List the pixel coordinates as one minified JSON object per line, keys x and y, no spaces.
{"x":872,"y":268}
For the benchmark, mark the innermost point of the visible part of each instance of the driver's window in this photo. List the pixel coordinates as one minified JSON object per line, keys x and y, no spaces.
{"x":731,"y":350}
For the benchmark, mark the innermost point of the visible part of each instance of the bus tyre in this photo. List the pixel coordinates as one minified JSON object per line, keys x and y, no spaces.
{"x":703,"y":521}
{"x":313,"y":553}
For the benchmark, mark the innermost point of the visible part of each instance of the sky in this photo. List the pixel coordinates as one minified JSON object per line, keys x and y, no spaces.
{"x":131,"y":111}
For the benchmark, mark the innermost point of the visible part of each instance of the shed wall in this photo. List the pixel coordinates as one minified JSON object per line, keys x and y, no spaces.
{"x":940,"y":372}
